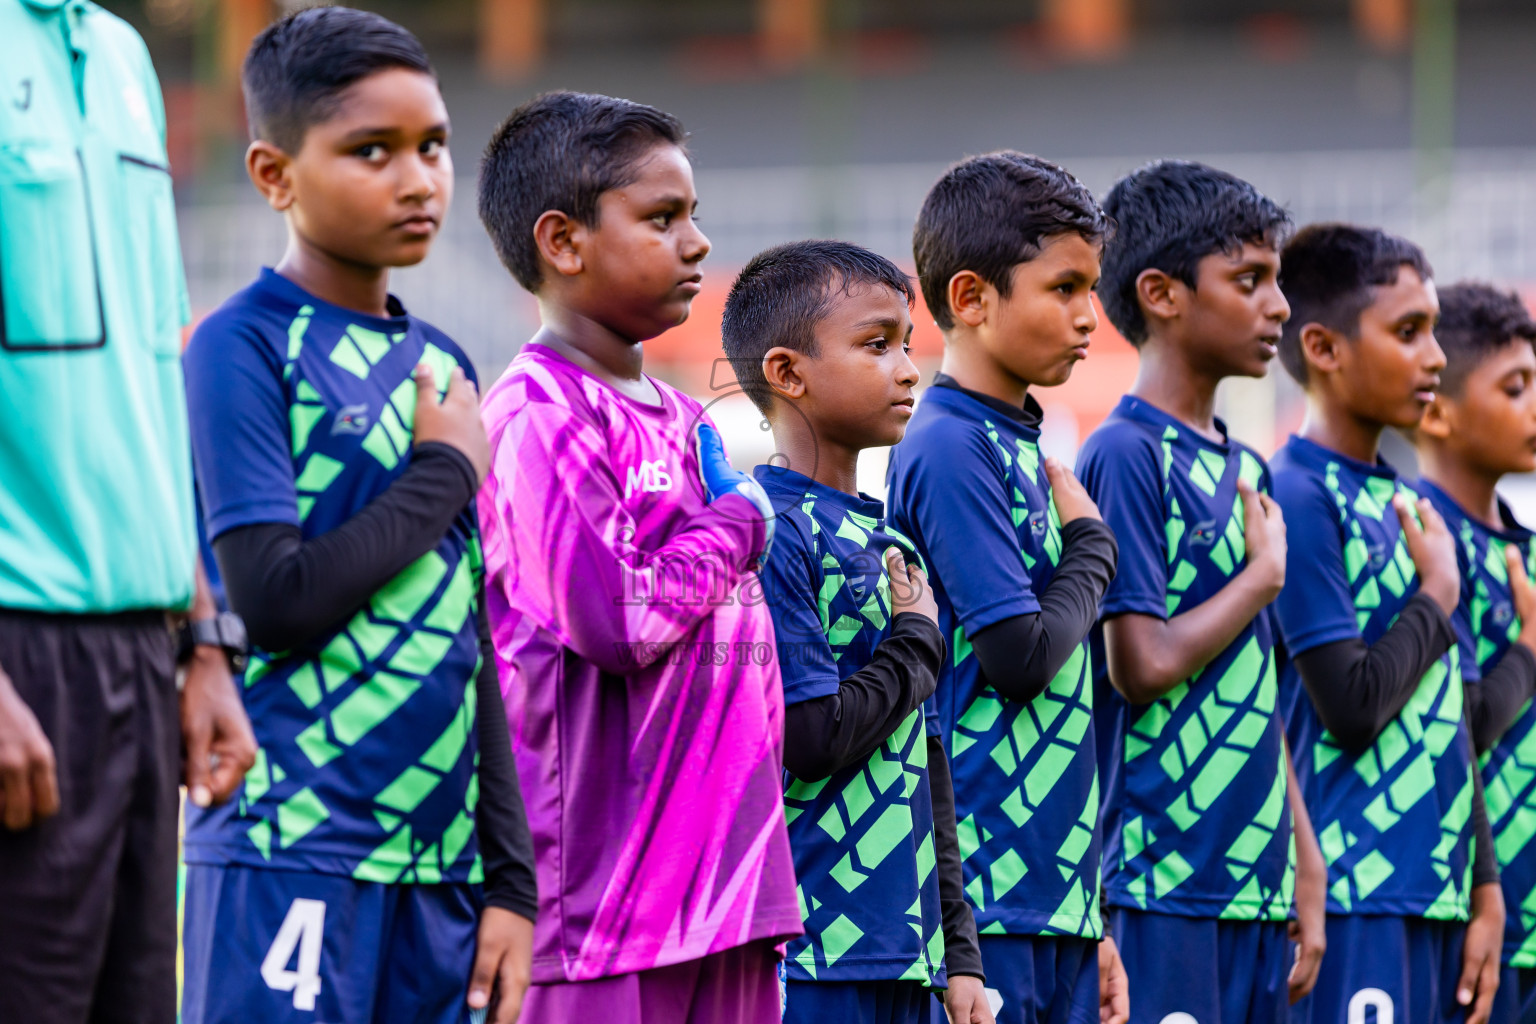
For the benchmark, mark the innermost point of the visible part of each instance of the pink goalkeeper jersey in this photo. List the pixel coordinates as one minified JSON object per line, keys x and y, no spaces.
{"x":636,"y":655}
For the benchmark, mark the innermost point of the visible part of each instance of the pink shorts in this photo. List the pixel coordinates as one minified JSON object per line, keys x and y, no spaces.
{"x":738,"y":986}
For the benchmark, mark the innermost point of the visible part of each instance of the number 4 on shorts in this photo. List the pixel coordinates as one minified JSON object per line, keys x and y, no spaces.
{"x":303,"y":927}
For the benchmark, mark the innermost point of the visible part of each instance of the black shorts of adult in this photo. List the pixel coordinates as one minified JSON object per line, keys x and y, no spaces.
{"x":88,"y":896}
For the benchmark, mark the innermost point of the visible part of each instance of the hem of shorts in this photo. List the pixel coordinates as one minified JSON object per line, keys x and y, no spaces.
{"x":1208,"y":908}
{"x":222,"y":855}
{"x":556,"y":969}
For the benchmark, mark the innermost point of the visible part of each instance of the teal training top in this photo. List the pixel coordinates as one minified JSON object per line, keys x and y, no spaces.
{"x":95,"y":473}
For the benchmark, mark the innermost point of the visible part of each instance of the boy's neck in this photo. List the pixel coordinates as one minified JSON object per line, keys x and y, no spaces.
{"x":829,"y":464}
{"x":1476,"y":492}
{"x":1165,"y":379}
{"x":972,"y":368}
{"x":353,"y":286}
{"x":596,"y":348}
{"x":1341,"y":431}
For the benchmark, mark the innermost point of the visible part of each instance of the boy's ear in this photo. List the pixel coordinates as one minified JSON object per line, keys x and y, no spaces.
{"x":559,"y":238}
{"x":1159,"y":294}
{"x":1320,"y":348}
{"x":268,"y":167}
{"x":967,"y":295}
{"x":1439,"y":420}
{"x":781,"y":367}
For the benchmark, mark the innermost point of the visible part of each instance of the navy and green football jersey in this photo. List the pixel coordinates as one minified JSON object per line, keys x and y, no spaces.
{"x":1394,"y":823}
{"x":1486,"y":626}
{"x":862,"y":839}
{"x":967,"y":485}
{"x":1196,"y":820}
{"x":301,"y":413}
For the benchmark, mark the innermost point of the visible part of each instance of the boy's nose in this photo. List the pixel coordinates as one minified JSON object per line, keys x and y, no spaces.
{"x":416,"y":180}
{"x":695,"y":243}
{"x":1279,"y":309}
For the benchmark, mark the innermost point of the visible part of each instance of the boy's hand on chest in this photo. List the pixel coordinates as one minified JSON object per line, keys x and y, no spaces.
{"x":455,"y":421}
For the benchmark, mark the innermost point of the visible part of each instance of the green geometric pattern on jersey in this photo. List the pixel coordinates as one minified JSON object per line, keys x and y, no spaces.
{"x":852,"y":821}
{"x":394,"y":645}
{"x":1511,"y":791}
{"x":1227,"y":550}
{"x":1243,"y":698}
{"x":902,"y":760}
{"x":1037,"y":744}
{"x":1432,"y":718}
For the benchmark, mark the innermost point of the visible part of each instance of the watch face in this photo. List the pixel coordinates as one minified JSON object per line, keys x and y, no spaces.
{"x":232,"y":635}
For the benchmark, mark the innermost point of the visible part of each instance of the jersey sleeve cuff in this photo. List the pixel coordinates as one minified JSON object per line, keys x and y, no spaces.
{"x":997,"y":611}
{"x":251,"y":513}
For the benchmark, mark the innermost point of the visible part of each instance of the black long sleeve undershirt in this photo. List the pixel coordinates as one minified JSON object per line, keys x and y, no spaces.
{"x":1019,"y":656}
{"x":291,"y":591}
{"x":1359,"y":688}
{"x":827,"y":734}
{"x":1495,"y":701}
{"x":501,"y":823}
{"x":962,"y":951}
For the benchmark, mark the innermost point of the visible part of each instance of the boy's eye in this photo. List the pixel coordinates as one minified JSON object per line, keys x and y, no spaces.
{"x":1246,"y":282}
{"x":1066,"y":288}
{"x":370,"y":151}
{"x":662,"y":220}
{"x":432,"y":147}
{"x":878,"y":344}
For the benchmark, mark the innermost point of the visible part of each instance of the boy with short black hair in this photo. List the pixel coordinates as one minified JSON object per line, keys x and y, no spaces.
{"x":1482,"y":425}
{"x":338,"y":451}
{"x":1373,"y":678}
{"x":1007,"y":250}
{"x":1200,"y":854}
{"x":818,"y":333}
{"x":620,"y":548}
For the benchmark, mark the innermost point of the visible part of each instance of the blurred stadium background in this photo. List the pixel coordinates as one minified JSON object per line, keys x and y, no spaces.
{"x":813,"y":118}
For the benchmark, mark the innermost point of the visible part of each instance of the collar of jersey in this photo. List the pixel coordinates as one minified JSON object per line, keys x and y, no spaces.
{"x":1028,"y":416}
{"x":1143,"y":411}
{"x":53,"y":5}
{"x":1512,"y":531}
{"x":786,"y":487}
{"x":1313,"y":454}
{"x":272,"y":281}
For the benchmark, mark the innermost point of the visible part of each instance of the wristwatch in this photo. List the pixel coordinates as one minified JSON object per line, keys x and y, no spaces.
{"x":225,"y":630}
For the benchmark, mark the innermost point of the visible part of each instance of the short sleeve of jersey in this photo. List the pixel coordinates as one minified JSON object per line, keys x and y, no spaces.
{"x":956,"y":497}
{"x":237,"y":407}
{"x":791,"y":581}
{"x":1316,"y":607}
{"x":1119,"y":466}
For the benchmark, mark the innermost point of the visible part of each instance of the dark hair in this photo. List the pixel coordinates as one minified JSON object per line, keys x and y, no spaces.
{"x":1477,"y":320}
{"x":298,"y":67}
{"x":561,"y":151}
{"x":990,"y":213}
{"x":784,"y":292}
{"x":1327,"y":272}
{"x":1169,"y":216}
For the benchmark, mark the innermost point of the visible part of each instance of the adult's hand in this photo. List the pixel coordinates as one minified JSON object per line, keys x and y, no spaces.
{"x":29,"y":781}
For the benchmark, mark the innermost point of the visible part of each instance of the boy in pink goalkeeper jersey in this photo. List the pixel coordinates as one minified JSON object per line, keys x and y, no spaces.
{"x":635,"y":650}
